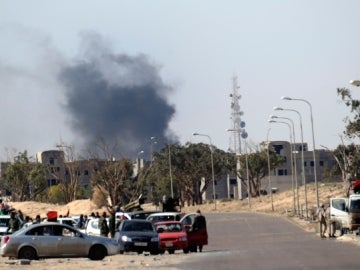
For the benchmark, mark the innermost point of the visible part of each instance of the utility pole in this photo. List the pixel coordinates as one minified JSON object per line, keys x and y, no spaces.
{"x":238,"y":128}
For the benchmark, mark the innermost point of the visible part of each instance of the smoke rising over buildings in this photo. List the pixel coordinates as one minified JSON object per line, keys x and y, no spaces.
{"x":118,"y":97}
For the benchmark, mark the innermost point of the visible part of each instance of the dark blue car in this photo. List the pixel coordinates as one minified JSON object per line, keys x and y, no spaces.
{"x":138,"y":236}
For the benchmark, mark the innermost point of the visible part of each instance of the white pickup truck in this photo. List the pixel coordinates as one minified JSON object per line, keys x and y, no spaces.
{"x":345,"y":213}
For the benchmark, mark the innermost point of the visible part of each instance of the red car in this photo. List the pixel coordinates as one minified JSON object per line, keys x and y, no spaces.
{"x":172,"y":236}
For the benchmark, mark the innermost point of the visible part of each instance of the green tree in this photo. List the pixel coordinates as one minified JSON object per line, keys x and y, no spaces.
{"x":255,"y":166}
{"x":348,"y":156}
{"x":25,"y":179}
{"x":189,"y":164}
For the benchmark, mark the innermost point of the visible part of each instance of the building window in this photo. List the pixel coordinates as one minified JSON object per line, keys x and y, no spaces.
{"x":51,"y":161}
{"x":233,"y":181}
{"x":321,"y":163}
{"x":86,"y":172}
{"x":282,"y":172}
{"x":311,"y":163}
{"x":304,"y":163}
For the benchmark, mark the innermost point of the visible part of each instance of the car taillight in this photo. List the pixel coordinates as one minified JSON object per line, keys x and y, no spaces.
{"x":5,"y":239}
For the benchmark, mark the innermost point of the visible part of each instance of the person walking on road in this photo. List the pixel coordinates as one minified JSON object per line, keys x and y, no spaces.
{"x":199,"y":224}
{"x":330,"y":223}
{"x":322,"y":220}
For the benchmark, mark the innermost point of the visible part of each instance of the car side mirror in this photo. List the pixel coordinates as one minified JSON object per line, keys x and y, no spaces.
{"x":160,"y":230}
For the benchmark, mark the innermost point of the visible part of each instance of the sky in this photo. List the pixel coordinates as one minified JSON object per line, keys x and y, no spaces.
{"x":126,"y":71}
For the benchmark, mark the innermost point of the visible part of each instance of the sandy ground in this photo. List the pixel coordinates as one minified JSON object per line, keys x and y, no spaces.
{"x":281,"y":203}
{"x":127,"y":261}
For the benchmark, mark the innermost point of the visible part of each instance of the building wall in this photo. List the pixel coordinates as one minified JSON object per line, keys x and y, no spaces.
{"x":281,"y":178}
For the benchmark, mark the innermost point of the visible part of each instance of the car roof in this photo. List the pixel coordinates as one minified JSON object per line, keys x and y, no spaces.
{"x":167,"y":222}
{"x":166,"y":214}
{"x":137,"y":220}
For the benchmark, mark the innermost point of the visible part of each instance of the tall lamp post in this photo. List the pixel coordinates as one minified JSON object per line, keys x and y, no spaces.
{"x":313,"y":139}
{"x":302,"y":144}
{"x":291,"y":156}
{"x":269,"y":168}
{"x":247,"y":171}
{"x":152,"y":142}
{"x":212,"y":164}
{"x":170,"y":173}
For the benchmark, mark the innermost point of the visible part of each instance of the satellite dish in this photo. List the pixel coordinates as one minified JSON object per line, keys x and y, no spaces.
{"x":242,"y":124}
{"x":244,"y":135}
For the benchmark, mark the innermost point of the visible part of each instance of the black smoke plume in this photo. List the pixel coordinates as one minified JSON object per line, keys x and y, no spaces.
{"x":118,"y":97}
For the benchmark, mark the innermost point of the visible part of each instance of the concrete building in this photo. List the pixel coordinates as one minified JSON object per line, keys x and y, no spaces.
{"x":281,"y":177}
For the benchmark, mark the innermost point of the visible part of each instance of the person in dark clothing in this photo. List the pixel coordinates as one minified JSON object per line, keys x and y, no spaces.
{"x":37,"y":219}
{"x":199,"y":224}
{"x":104,"y":228}
{"x":112,"y":223}
{"x":14,"y":223}
{"x":81,"y":222}
{"x":199,"y":221}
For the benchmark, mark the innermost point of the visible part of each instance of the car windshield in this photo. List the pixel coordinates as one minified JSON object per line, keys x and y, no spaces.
{"x":355,"y":206}
{"x":138,"y":226}
{"x":4,"y":222}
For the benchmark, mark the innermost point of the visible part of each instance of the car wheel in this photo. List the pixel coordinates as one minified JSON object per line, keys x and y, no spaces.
{"x":121,"y":252}
{"x":28,"y":253}
{"x":171,"y":251}
{"x":97,"y":253}
{"x":139,"y":252}
{"x":186,"y":250}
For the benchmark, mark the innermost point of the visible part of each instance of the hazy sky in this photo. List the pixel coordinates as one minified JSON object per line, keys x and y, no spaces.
{"x":72,"y":70}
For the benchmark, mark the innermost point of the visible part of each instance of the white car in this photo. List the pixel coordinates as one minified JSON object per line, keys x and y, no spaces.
{"x":91,"y":226}
{"x":65,"y":220}
{"x":165,"y":216}
{"x":4,"y":222}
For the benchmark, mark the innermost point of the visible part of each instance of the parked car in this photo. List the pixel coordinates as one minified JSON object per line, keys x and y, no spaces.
{"x":197,"y":238}
{"x":172,"y":236}
{"x":141,"y":214}
{"x":165,"y":216}
{"x":137,"y":235}
{"x":55,"y":240}
{"x":65,"y":220}
{"x":4,"y":222}
{"x":91,"y":226}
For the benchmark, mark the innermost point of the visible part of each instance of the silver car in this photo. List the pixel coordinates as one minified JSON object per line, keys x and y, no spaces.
{"x":54,"y":240}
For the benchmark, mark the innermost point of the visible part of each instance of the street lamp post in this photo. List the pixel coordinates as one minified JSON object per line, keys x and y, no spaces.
{"x":269,"y":168}
{"x":247,"y":172}
{"x":212,"y":164}
{"x":302,"y":145}
{"x":170,"y":172}
{"x":291,"y":155}
{"x":152,"y":142}
{"x":313,"y":139}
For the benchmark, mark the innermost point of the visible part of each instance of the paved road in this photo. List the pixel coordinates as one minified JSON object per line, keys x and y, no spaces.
{"x":257,"y":241}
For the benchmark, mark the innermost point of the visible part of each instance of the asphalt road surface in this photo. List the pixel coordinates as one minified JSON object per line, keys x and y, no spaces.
{"x":258,"y":241}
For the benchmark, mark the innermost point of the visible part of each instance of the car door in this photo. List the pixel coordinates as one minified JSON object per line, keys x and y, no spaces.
{"x":42,"y":238}
{"x":199,"y":237}
{"x":70,"y":243}
{"x":338,"y":211}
